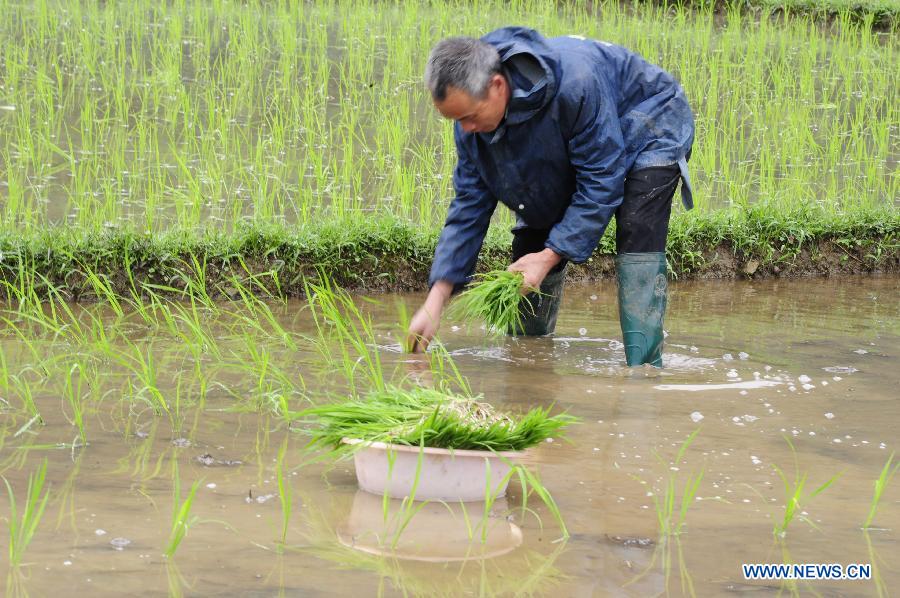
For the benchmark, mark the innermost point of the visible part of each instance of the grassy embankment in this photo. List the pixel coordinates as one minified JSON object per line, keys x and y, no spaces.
{"x":138,"y":137}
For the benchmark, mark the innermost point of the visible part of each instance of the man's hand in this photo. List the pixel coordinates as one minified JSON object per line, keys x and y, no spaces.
{"x":535,"y":267}
{"x":425,"y":322}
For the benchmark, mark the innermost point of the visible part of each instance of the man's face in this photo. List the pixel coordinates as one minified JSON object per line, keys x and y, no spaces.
{"x":476,"y":115}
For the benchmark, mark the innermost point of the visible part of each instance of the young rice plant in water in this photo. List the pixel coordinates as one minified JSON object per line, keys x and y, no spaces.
{"x":887,"y":474}
{"x":23,"y":525}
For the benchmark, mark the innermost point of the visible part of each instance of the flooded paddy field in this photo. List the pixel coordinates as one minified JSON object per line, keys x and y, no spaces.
{"x":132,"y":411}
{"x":162,"y":116}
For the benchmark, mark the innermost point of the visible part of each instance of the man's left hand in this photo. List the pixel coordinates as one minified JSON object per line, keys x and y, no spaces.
{"x":535,"y":267}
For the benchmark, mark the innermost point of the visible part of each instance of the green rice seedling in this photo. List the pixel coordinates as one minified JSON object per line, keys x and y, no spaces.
{"x":408,"y":506}
{"x":175,"y":581}
{"x":887,"y":474}
{"x":490,"y":497}
{"x":795,"y":499}
{"x":258,"y":310}
{"x":197,"y":337}
{"x":103,"y":290}
{"x":401,"y":416}
{"x":495,"y":299}
{"x":5,"y":376}
{"x":23,"y":526}
{"x":60,"y":310}
{"x":447,"y":376}
{"x":338,"y":319}
{"x":876,"y":561}
{"x":664,"y":506}
{"x":65,"y":496}
{"x":24,"y":293}
{"x":181,"y":509}
{"x":663,"y":553}
{"x":274,"y":387}
{"x":25,"y":390}
{"x":140,"y":362}
{"x":425,"y":417}
{"x":75,"y":398}
{"x":285,"y":493}
{"x":37,"y":356}
{"x":529,"y":482}
{"x":16,"y":586}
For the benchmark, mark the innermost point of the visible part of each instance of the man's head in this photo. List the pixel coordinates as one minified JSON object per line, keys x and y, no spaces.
{"x":466,"y":84}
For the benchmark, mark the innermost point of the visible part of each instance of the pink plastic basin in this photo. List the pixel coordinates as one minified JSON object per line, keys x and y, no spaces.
{"x":448,"y":475}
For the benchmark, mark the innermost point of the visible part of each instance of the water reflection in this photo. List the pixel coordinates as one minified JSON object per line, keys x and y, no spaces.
{"x":441,"y":550}
{"x":435,"y":532}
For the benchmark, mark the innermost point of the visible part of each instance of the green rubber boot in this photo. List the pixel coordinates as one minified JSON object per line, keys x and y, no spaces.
{"x":642,"y":305}
{"x":539,"y":310}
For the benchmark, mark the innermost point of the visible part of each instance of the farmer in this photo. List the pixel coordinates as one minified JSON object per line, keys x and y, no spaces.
{"x":566,"y":132}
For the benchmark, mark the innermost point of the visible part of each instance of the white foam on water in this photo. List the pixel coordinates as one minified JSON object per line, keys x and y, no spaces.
{"x":581,"y":339}
{"x":840,"y":369}
{"x":686,"y":363}
{"x":496,"y":353}
{"x":748,"y":384}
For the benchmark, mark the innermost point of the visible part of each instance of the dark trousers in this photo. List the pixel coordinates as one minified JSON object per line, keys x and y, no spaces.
{"x":642,"y":220}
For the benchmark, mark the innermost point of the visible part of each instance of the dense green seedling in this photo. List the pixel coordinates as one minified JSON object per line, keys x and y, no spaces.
{"x":494,"y":298}
{"x":408,"y":416}
{"x":184,"y":116}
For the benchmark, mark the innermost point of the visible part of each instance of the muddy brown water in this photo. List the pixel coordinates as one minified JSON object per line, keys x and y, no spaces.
{"x":813,"y":361}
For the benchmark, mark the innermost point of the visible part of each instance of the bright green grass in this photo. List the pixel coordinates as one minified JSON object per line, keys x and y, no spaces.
{"x":272,"y":259}
{"x":414,"y":416}
{"x":159,"y":114}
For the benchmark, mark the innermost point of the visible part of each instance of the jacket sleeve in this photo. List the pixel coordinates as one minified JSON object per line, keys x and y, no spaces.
{"x":596,"y":153}
{"x":467,"y":222}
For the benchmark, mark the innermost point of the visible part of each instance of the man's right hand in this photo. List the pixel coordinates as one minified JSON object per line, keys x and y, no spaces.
{"x":425,"y":322}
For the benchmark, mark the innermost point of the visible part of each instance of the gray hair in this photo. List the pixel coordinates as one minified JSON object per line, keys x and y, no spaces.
{"x":465,"y":63}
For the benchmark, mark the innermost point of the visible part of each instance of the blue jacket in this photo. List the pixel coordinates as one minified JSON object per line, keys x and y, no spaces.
{"x":581,"y":114}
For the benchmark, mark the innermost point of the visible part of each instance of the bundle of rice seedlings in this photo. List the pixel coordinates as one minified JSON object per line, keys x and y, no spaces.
{"x":495,"y":298}
{"x":411,"y":416}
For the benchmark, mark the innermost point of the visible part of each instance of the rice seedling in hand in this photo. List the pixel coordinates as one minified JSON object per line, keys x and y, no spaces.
{"x":22,"y":526}
{"x":495,"y":299}
{"x":407,"y":416}
{"x":887,"y":473}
